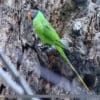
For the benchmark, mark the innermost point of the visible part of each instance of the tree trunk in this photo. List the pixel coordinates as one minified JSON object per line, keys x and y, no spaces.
{"x":78,"y":24}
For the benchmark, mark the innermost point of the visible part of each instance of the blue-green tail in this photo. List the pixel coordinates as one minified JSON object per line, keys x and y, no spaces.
{"x":60,"y":50}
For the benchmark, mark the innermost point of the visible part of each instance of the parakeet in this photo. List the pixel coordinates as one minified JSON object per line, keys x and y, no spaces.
{"x":48,"y":35}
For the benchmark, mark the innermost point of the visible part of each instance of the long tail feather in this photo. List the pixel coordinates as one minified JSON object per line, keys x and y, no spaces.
{"x":60,"y":50}
{"x":60,"y":44}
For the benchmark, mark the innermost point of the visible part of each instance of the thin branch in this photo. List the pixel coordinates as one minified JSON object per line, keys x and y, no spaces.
{"x":10,"y":82}
{"x":18,"y":78}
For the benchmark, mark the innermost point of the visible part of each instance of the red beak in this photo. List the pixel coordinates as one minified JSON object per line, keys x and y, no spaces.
{"x":29,"y":15}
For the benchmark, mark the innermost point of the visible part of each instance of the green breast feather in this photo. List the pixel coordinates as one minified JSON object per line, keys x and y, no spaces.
{"x":44,"y":29}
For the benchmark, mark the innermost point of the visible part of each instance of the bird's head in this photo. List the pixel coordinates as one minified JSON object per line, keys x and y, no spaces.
{"x":31,"y":14}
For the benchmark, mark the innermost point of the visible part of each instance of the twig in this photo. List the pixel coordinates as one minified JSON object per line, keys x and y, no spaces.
{"x":18,"y":78}
{"x":56,"y":79}
{"x":10,"y":82}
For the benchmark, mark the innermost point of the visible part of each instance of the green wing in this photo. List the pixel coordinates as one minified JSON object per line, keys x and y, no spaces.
{"x":49,"y":32}
{"x":51,"y":35}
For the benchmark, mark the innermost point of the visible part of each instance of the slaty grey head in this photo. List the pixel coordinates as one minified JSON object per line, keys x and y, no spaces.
{"x":32,"y":14}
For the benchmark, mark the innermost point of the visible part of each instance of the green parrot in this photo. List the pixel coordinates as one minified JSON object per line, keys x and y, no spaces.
{"x":48,"y":35}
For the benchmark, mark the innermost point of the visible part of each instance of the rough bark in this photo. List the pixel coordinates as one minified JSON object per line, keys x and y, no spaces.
{"x":78,"y":24}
